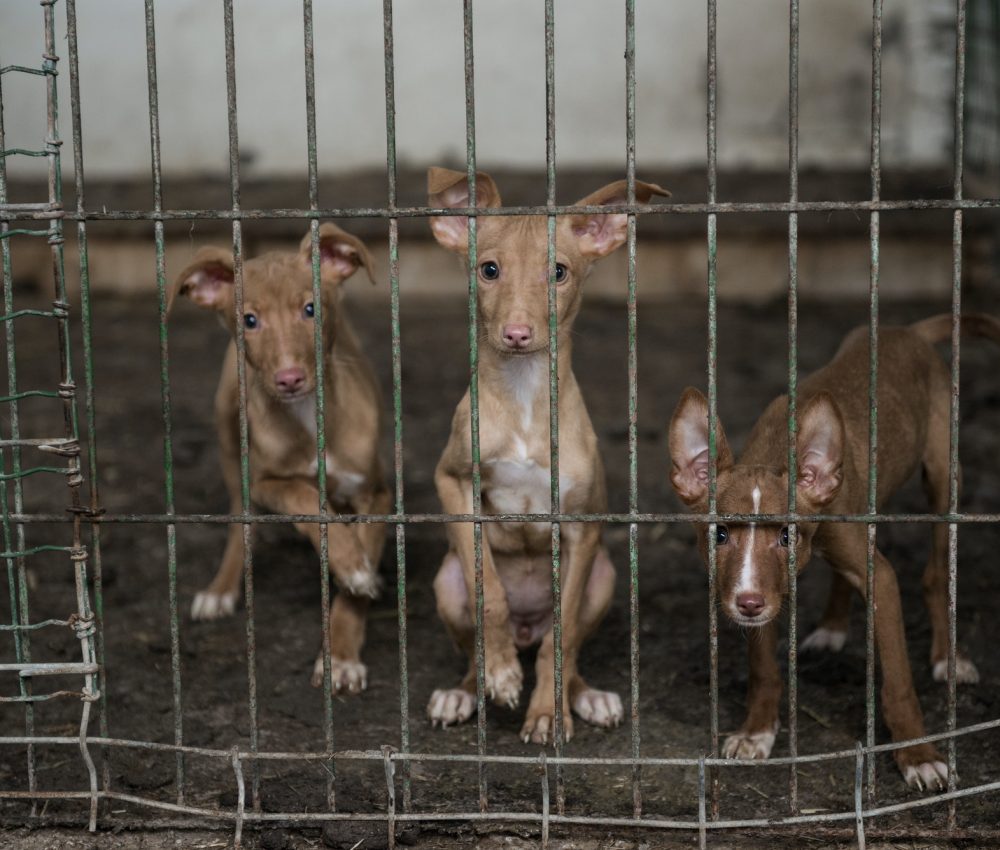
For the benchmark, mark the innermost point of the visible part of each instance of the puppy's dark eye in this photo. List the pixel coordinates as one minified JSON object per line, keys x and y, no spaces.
{"x":250,"y":321}
{"x":308,"y":310}
{"x":721,"y":535}
{"x":561,"y":272}
{"x":783,"y":536}
{"x":489,"y":270}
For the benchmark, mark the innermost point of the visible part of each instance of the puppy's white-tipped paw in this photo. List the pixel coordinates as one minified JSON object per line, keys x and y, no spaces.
{"x":824,"y":640}
{"x":213,"y":606}
{"x":928,"y":776}
{"x":601,"y":708}
{"x":450,"y":706}
{"x":540,"y":727}
{"x":965,"y":671}
{"x":746,"y":745}
{"x":345,"y":676}
{"x":364,"y":582}
{"x":503,"y":684}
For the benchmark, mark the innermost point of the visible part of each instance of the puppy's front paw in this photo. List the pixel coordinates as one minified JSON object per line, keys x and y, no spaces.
{"x":923,"y":767}
{"x":208,"y":605}
{"x":345,"y":676}
{"x":601,"y":708}
{"x":749,"y":745}
{"x":363,"y":582}
{"x":824,"y":640}
{"x":965,"y":671}
{"x":504,"y":679}
{"x":451,"y":706}
{"x":540,"y":726}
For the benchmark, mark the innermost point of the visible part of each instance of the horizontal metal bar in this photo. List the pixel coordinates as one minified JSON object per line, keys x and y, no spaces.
{"x":22,"y":152}
{"x":28,"y":393}
{"x":48,"y":669}
{"x":34,"y":470}
{"x":521,"y":817}
{"x":24,"y":69}
{"x":33,"y":698}
{"x":17,"y":627}
{"x":472,"y":758}
{"x":426,"y":518}
{"x":425,"y":212}
{"x":17,"y":314}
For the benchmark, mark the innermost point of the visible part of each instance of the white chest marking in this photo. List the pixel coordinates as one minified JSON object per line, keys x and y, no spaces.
{"x":519,"y":485}
{"x":525,"y":378}
{"x":348,"y":483}
{"x":304,"y":410}
{"x":746,"y":583}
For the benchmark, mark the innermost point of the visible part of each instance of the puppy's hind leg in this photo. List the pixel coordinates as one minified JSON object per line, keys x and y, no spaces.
{"x":450,"y":706}
{"x":935,"y":581}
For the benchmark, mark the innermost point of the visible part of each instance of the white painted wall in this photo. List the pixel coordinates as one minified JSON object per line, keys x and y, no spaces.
{"x":510,"y":105}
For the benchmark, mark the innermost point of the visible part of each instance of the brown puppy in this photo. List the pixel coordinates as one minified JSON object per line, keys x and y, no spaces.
{"x":514,"y":451}
{"x":279,"y":332}
{"x":832,"y":461}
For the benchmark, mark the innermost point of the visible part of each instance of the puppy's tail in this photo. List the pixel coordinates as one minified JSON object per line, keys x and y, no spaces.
{"x":938,"y":328}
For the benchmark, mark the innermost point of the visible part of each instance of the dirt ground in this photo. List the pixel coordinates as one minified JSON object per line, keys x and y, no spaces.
{"x":674,"y":673}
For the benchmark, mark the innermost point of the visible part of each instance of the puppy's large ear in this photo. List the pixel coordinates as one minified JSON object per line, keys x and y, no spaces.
{"x":688,"y":442}
{"x":447,"y":189}
{"x":341,"y":254}
{"x":598,"y":235}
{"x":208,"y":280}
{"x":820,"y":450}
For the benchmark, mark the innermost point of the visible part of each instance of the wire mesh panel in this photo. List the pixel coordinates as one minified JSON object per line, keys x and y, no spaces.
{"x":248,"y":759}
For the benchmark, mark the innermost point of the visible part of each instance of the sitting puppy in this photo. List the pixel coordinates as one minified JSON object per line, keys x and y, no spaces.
{"x":914,"y":399}
{"x":514,"y":455}
{"x":278,"y":316}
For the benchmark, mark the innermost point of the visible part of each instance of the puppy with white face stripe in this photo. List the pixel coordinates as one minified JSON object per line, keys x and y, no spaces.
{"x":831,"y":452}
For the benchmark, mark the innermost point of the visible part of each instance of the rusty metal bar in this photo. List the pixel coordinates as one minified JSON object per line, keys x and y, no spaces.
{"x":430,"y":518}
{"x":86,"y":321}
{"x":873,"y":312}
{"x":477,"y":488}
{"x":633,"y":408}
{"x":168,"y":457}
{"x":713,"y":393}
{"x":953,"y":467}
{"x":793,"y":366}
{"x":397,"y":402}
{"x":559,"y":721}
{"x":717,"y":208}
{"x":321,"y":487}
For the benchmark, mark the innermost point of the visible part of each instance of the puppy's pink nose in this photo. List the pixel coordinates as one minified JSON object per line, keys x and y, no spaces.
{"x":289,"y":380}
{"x":516,"y":336}
{"x":750,"y":604}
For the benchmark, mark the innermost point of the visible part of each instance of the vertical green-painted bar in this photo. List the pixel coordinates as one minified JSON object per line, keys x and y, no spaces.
{"x":168,"y":452}
{"x":16,"y":574}
{"x":397,"y":402}
{"x":323,"y":507}
{"x":633,"y":409}
{"x":86,"y":319}
{"x":241,"y":384}
{"x":67,"y":393}
{"x":713,"y":397}
{"x":477,"y":487}
{"x":550,"y":198}
{"x":873,"y":313}
{"x":793,"y":323}
{"x":953,"y":468}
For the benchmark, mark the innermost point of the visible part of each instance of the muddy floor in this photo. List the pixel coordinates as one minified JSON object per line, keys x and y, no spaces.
{"x":673,"y":671}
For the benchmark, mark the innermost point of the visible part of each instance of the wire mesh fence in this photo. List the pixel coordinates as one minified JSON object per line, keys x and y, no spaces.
{"x":47,"y":219}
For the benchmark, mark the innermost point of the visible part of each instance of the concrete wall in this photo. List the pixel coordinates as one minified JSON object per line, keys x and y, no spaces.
{"x":590,"y":38}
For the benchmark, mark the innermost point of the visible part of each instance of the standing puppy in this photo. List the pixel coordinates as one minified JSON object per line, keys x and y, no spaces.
{"x":514,"y":456}
{"x":278,"y":315}
{"x":832,"y":462}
